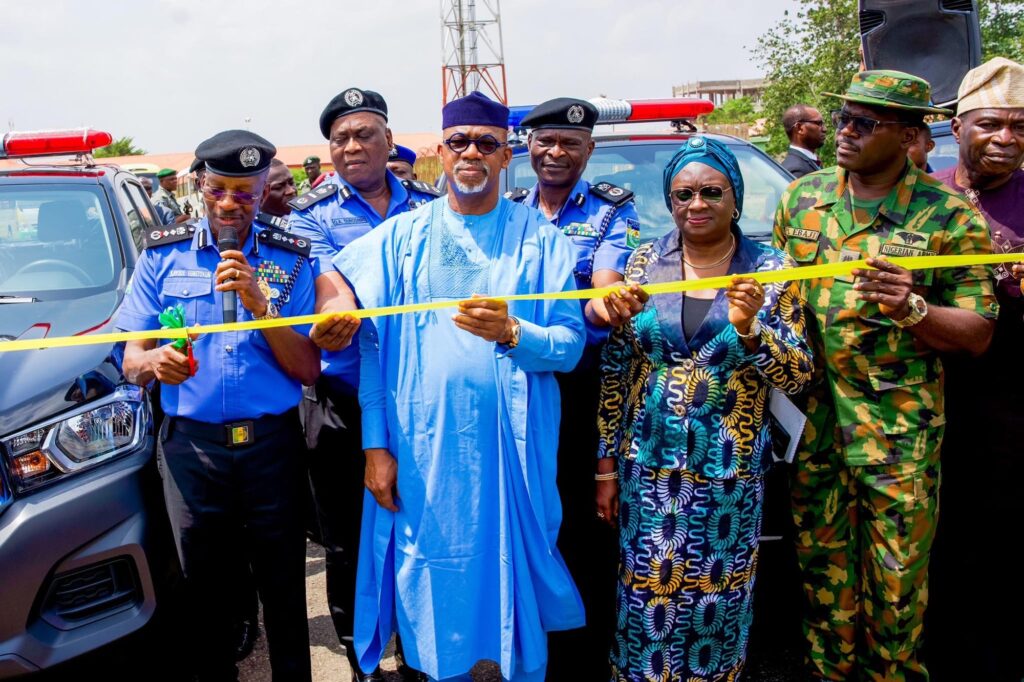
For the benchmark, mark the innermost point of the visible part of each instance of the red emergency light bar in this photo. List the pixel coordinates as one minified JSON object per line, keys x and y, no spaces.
{"x":53,"y":142}
{"x":635,"y":111}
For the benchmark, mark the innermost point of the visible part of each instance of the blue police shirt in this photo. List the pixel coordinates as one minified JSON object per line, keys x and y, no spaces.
{"x":333,"y":223}
{"x":582,"y":219}
{"x":238,"y":376}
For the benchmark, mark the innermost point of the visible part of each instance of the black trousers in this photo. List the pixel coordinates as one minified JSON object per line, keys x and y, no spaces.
{"x":588,"y":545}
{"x":226,"y":502}
{"x":336,"y":469}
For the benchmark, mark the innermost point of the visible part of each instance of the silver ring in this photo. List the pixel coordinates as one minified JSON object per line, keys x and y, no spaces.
{"x":600,"y":515}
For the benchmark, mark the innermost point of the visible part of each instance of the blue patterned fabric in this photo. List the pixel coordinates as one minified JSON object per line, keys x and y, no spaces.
{"x":688,"y":422}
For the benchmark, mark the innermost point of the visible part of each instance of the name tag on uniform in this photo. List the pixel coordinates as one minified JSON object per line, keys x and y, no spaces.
{"x":801,"y":233}
{"x":350,"y":220}
{"x":191,"y":273}
{"x":907,"y":243}
{"x":579,"y":230}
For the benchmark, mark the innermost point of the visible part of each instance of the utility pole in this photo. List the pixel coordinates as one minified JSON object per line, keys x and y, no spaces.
{"x":472,"y":55}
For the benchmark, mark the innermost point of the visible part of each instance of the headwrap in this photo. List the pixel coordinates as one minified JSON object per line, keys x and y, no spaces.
{"x":996,"y":84}
{"x":711,"y":153}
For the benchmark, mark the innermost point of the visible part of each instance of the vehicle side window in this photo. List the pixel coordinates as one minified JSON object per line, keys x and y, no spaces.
{"x":137,"y":210}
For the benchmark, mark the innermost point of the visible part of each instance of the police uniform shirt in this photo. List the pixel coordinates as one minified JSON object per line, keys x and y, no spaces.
{"x":333,"y":222}
{"x":581,"y":219}
{"x":238,"y":375}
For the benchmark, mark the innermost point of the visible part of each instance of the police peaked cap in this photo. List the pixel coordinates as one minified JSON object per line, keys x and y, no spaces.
{"x":349,"y":102}
{"x":236,"y":153}
{"x":562,"y":112}
{"x":400,"y":153}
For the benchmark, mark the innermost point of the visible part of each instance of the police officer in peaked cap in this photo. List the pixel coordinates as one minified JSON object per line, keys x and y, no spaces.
{"x":601,"y":220}
{"x":229,"y":445}
{"x":355,"y":198}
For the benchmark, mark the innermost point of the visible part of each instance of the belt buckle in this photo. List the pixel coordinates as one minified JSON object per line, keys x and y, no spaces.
{"x":240,"y":433}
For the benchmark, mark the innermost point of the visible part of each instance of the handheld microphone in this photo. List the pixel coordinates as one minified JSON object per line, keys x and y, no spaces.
{"x":228,"y":241}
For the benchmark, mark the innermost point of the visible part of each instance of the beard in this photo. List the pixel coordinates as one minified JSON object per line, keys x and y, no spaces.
{"x":466,"y":188}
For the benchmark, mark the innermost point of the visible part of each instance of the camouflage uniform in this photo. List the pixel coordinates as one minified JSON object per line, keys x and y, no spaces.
{"x":865,"y":486}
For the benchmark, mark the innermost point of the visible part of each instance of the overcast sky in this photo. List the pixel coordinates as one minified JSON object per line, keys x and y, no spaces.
{"x":171,"y":72}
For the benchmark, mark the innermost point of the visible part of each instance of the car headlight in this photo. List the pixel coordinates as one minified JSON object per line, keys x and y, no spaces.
{"x":90,"y":435}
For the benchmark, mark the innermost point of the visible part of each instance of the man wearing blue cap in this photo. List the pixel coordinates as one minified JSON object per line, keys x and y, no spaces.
{"x":602,"y":222}
{"x":229,"y":447}
{"x":351,"y":201}
{"x":460,"y":419}
{"x":402,"y":162}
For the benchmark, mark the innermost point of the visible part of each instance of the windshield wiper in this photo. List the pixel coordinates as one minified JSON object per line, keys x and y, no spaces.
{"x":17,"y":299}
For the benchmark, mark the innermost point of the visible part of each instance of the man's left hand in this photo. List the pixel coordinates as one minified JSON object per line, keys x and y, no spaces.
{"x":1017,"y":270}
{"x":889,"y":286}
{"x":486,"y":318}
{"x":235,"y":274}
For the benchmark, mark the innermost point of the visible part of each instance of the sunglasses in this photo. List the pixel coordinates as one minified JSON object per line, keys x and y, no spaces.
{"x":862,"y":125}
{"x":711,"y":194}
{"x":485,"y":144}
{"x":217,"y":194}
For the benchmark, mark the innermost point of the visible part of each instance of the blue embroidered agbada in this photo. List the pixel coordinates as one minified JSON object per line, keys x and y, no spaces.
{"x":467,"y":569}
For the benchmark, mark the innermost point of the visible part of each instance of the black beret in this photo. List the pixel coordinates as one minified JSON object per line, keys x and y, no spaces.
{"x":236,"y":153}
{"x":196,"y":165}
{"x":349,"y":102}
{"x":562,"y":112}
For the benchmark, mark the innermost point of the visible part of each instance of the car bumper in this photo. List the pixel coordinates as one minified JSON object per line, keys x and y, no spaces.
{"x":79,"y":562}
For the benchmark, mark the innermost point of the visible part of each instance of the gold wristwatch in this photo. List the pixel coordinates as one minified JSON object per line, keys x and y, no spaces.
{"x":272,"y":313}
{"x":918,"y":310}
{"x":517,"y":333}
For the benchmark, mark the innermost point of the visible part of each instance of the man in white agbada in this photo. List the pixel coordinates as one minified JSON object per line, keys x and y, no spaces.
{"x":460,"y":420}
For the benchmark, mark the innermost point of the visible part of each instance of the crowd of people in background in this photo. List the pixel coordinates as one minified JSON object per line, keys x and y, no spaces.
{"x":452,"y":452}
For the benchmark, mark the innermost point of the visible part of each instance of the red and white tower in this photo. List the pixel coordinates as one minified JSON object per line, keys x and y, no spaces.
{"x":472,"y":56}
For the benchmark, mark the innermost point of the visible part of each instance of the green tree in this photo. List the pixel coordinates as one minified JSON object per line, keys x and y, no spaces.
{"x":739,"y":110}
{"x":122,"y":146}
{"x":815,"y":49}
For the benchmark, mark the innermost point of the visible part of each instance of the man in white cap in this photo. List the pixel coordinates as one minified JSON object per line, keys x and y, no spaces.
{"x":972,"y":635}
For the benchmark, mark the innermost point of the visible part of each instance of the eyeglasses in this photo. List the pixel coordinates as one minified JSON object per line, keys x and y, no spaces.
{"x":485,"y":144}
{"x":711,"y":194}
{"x":217,"y":194}
{"x":816,"y":121}
{"x":862,"y":125}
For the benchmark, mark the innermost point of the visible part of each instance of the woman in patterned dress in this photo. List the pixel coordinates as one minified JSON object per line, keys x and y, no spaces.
{"x":684,"y":426}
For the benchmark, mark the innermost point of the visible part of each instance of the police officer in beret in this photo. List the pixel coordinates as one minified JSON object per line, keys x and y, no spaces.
{"x":401,"y":162}
{"x":601,"y":220}
{"x":312,"y":167}
{"x":359,"y":195}
{"x":164,"y":195}
{"x":229,"y":446}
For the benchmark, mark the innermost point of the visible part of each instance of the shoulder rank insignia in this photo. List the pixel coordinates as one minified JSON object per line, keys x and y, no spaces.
{"x":611,"y":193}
{"x":422,"y":187}
{"x":312,"y":197}
{"x":516,"y":194}
{"x":279,"y":222}
{"x":169,"y":234}
{"x":285,"y":240}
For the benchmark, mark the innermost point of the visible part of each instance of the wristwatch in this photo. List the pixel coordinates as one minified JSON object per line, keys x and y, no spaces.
{"x":517,"y":333}
{"x":755,"y":330}
{"x":272,"y":313}
{"x":918,"y":310}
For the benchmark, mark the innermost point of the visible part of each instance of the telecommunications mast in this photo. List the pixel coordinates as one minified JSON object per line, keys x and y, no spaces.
{"x":472,"y":56}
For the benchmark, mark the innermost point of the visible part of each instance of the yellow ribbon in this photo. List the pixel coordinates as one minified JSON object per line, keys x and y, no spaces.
{"x":768,"y":277}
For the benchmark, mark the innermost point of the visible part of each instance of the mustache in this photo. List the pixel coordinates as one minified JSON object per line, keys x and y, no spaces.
{"x":473,"y":165}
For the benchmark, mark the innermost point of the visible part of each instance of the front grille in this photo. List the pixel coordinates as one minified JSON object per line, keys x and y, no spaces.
{"x":870,"y":19}
{"x":93,"y":591}
{"x":958,"y":5}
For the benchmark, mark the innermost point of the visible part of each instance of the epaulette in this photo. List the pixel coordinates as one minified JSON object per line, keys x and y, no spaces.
{"x":279,"y":222}
{"x":424,"y":187}
{"x":611,"y":193}
{"x":516,"y":194}
{"x":285,"y":240}
{"x":309,"y":198}
{"x":170,"y":234}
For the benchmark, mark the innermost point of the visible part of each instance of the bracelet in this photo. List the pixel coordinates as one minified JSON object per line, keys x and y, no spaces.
{"x":610,"y":476}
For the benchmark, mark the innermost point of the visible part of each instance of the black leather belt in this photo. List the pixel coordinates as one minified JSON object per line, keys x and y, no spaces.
{"x":238,"y":433}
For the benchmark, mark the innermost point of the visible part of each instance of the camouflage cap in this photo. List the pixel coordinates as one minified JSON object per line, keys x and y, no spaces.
{"x":893,"y":90}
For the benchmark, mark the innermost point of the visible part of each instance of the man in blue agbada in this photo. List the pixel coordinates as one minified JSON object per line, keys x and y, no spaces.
{"x":460,"y":420}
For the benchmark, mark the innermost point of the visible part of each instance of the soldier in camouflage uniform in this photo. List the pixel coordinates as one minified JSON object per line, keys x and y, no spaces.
{"x":865,"y":485}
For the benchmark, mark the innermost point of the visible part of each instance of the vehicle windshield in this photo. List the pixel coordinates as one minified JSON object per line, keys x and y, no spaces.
{"x":638,"y":167}
{"x":55,"y":242}
{"x":946,"y":152}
